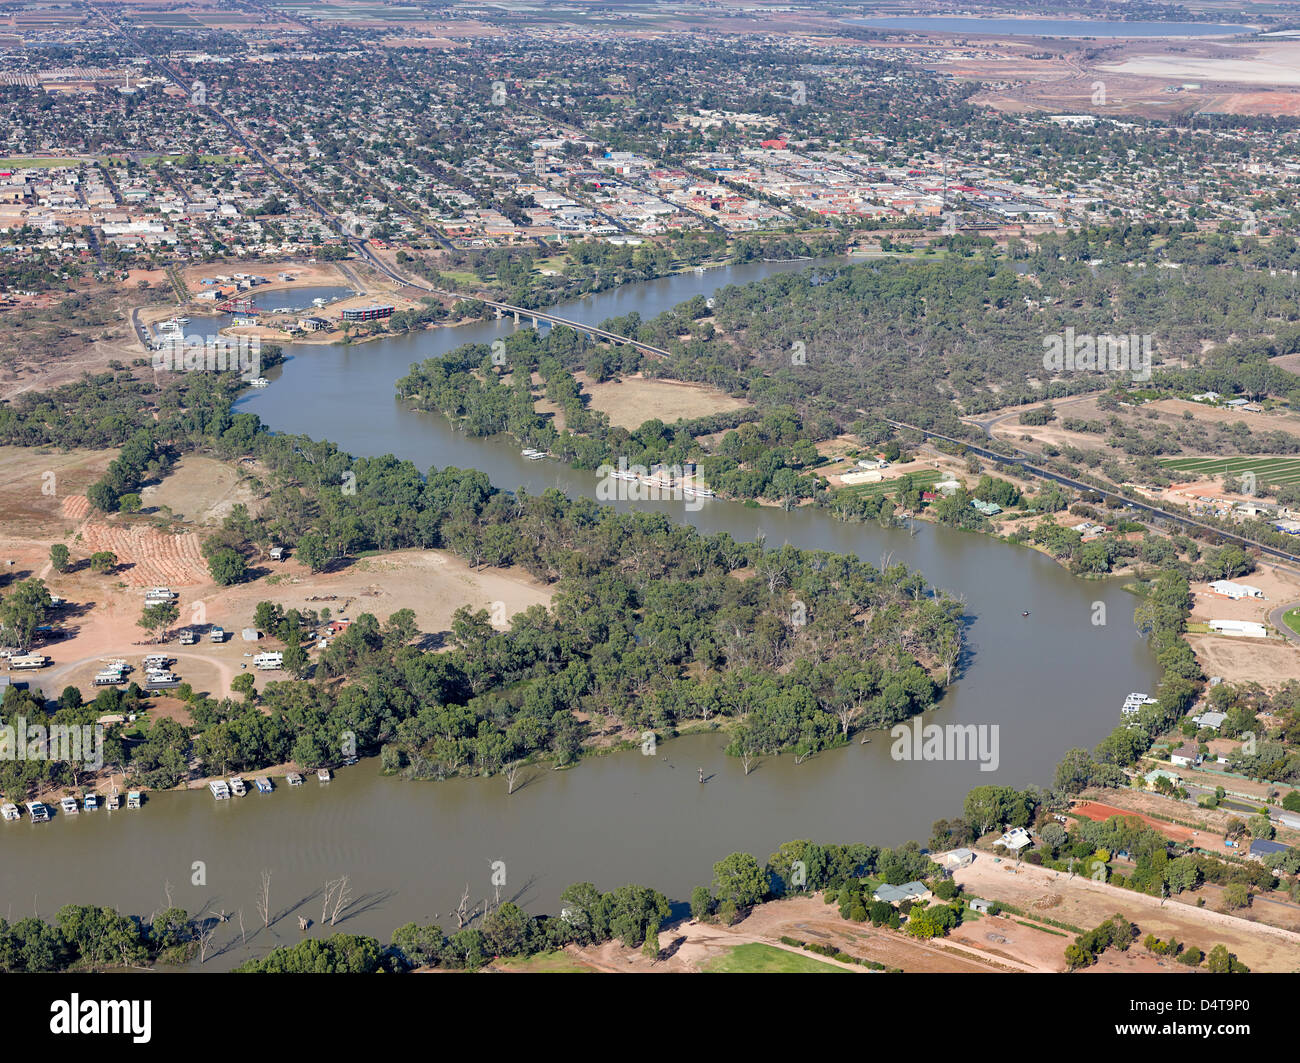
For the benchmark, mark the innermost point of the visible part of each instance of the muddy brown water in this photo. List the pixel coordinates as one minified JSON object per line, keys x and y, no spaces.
{"x":1047,"y":682}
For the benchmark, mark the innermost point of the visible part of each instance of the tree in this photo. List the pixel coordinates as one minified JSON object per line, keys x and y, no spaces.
{"x":338,"y":954}
{"x":509,"y":930}
{"x":158,"y":617}
{"x":102,"y":497}
{"x":103,"y":562}
{"x":245,"y":684}
{"x":312,"y":551}
{"x":59,"y":557}
{"x":1236,"y":895}
{"x":23,"y":610}
{"x":295,"y":659}
{"x":1261,"y":826}
{"x":227,"y":566}
{"x":739,"y":879}
{"x":701,"y":903}
{"x":1221,"y":961}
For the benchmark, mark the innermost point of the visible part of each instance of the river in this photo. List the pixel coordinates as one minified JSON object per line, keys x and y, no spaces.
{"x":1048,"y":682}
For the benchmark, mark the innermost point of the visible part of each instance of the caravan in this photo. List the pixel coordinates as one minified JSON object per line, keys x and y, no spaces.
{"x":269,"y":660}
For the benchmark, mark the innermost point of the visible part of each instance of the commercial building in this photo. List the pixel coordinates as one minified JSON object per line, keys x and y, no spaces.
{"x":1238,"y":628}
{"x":366,"y":313}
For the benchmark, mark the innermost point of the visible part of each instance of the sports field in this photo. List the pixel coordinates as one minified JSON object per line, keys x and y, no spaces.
{"x":1273,"y":470}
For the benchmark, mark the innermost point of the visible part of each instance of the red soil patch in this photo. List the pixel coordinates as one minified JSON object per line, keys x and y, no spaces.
{"x":76,"y":507}
{"x":1094,"y":810}
{"x":155,"y":558}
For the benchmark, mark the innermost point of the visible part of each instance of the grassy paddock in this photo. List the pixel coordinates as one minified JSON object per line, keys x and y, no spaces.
{"x":756,"y":958}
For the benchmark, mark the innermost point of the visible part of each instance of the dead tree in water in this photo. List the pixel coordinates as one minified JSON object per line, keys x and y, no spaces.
{"x":512,"y":773}
{"x":264,"y":899}
{"x":342,"y":897}
{"x":204,"y":931}
{"x":463,"y":912}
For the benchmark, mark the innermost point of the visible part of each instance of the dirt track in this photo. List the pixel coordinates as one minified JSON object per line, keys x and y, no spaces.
{"x":1085,"y":903}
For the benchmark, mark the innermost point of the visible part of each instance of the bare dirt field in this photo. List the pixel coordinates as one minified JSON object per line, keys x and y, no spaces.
{"x":1269,"y":663}
{"x":635,"y":400}
{"x":39,"y":486}
{"x":691,"y":945}
{"x":1082,"y":902}
{"x":1277,"y":421}
{"x":201,"y":490}
{"x":1278,"y":585}
{"x":100,"y":621}
{"x":1273,"y":63}
{"x":303,"y":274}
{"x":1097,"y":811}
{"x":1168,"y":412}
{"x":431,"y":583}
{"x":1157,"y":79}
{"x":146,"y":556}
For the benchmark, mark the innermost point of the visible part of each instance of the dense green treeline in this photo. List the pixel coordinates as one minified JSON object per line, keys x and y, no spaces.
{"x":653,"y":626}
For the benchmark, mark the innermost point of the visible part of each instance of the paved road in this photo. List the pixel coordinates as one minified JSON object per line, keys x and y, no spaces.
{"x":1275,"y":618}
{"x":1022,"y":460}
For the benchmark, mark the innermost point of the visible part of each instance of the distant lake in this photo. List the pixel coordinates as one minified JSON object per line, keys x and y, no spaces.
{"x":1048,"y":27}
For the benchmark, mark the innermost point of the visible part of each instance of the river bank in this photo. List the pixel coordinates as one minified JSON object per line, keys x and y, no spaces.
{"x":410,"y":848}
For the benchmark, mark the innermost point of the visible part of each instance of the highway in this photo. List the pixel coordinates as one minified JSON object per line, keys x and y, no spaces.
{"x":1143,"y":507}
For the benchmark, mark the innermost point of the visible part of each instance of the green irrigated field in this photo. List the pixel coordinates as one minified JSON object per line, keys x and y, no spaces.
{"x":755,"y":958}
{"x":1284,"y":471}
{"x":923,"y":479}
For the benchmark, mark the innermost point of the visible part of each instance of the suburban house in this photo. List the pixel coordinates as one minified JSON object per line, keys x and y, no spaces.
{"x":1160,"y":773}
{"x":1186,"y":755}
{"x":1211,"y":719}
{"x":1015,"y":839}
{"x":908,"y":891}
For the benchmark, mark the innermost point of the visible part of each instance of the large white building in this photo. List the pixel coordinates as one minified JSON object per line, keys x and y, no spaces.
{"x":1235,"y":590}
{"x":1239,"y":628}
